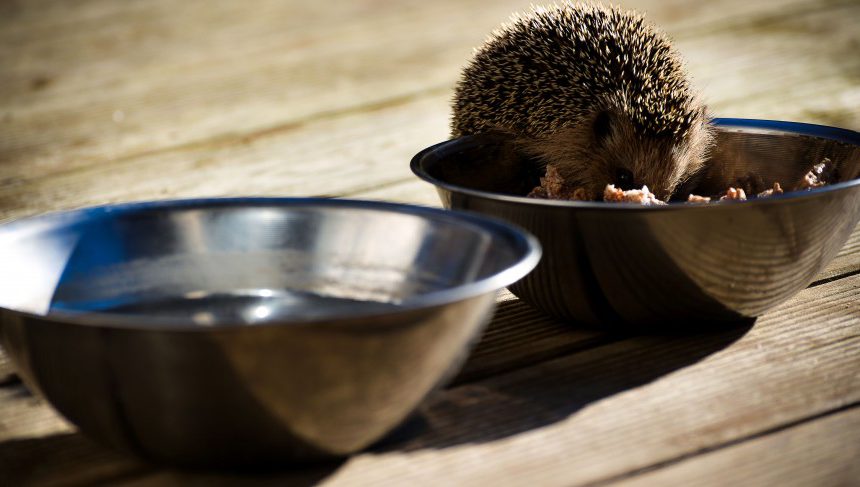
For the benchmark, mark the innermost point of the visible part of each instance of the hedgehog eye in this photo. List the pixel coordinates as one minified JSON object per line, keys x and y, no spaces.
{"x":602,"y":126}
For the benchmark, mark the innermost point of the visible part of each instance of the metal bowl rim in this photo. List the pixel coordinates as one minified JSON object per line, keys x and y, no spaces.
{"x":748,"y":124}
{"x":526,"y":242}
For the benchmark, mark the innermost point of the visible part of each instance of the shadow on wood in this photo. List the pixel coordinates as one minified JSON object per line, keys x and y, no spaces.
{"x":72,"y":459}
{"x":551,"y":391}
{"x":518,"y":336}
{"x":67,"y":458}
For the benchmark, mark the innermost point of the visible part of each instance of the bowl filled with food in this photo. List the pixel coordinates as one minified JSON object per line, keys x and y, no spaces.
{"x":770,"y":206}
{"x":581,"y":123}
{"x":238,"y":331}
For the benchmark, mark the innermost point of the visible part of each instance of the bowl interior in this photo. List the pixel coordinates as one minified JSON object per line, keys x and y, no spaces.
{"x":233,"y":262}
{"x":749,"y":155}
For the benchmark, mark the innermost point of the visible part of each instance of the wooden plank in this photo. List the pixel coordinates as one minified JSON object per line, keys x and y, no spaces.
{"x":100,"y":83}
{"x":765,"y":69}
{"x":63,"y":459}
{"x":26,"y":415}
{"x":175,"y":74}
{"x":369,"y":149}
{"x":327,"y":157}
{"x":7,"y":370}
{"x":846,"y":262}
{"x":520,"y":335}
{"x":820,"y":452}
{"x":410,"y":190}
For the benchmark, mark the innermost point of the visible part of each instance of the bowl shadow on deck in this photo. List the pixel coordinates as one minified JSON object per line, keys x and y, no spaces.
{"x":62,"y":458}
{"x":73,"y":459}
{"x":70,"y":458}
{"x":535,"y":395}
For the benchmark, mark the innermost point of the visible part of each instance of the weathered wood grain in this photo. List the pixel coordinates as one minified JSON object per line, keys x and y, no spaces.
{"x":766,"y":69}
{"x":63,"y":459}
{"x":846,"y":262}
{"x":519,"y":336}
{"x":6,"y":369}
{"x":369,"y":149}
{"x":820,"y":452}
{"x":411,"y":190}
{"x":96,"y":82}
{"x":25,"y":415}
{"x":328,"y":157}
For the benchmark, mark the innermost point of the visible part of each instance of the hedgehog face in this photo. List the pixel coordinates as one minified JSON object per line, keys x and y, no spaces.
{"x":629,"y":159}
{"x":608,"y":148}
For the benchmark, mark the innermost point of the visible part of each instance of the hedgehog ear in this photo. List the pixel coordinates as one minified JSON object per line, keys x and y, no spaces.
{"x":602,"y":126}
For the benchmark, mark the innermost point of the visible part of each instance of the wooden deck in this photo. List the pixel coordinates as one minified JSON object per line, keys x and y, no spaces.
{"x":112,"y":101}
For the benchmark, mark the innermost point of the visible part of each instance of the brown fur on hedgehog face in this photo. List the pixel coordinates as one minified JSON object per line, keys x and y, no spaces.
{"x":605,"y":148}
{"x":594,"y":90}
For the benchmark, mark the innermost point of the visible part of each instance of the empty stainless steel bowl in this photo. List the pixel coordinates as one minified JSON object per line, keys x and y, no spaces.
{"x":679,"y":264}
{"x":248,"y":330}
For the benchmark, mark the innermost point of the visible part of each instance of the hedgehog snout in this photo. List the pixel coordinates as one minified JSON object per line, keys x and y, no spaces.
{"x":624,"y":179}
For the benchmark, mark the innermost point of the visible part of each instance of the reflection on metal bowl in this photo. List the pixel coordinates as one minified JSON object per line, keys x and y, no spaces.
{"x":678,"y":264}
{"x":223,"y":332}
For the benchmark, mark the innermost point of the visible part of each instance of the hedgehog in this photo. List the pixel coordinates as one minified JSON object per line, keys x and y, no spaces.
{"x":595,"y":91}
